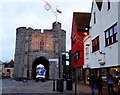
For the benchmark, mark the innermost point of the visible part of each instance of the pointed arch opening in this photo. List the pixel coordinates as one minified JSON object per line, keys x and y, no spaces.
{"x":42,"y":44}
{"x":43,"y":61}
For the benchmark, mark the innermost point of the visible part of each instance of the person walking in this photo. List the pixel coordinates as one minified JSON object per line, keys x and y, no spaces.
{"x":99,"y":84}
{"x":110,"y":85}
{"x":92,"y":82}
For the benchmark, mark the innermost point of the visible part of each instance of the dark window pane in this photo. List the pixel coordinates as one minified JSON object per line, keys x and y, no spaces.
{"x":108,"y":4}
{"x":110,"y":40}
{"x":94,"y":18}
{"x":8,"y":70}
{"x":95,"y":44}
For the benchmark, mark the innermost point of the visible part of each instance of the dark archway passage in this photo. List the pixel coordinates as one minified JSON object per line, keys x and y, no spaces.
{"x":44,"y":62}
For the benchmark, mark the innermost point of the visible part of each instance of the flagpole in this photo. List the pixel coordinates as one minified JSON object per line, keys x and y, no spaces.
{"x":55,"y":13}
{"x":50,"y":8}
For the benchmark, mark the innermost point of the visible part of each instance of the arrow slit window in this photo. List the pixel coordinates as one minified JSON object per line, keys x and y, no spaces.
{"x":94,"y":18}
{"x":108,"y":4}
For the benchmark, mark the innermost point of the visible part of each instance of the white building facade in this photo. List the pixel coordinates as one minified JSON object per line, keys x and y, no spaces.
{"x":104,"y":39}
{"x":87,"y":64}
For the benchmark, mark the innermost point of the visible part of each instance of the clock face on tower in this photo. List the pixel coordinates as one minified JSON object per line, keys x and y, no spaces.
{"x":42,"y":41}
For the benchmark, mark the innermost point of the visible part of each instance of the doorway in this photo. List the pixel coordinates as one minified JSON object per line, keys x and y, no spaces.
{"x":43,"y":61}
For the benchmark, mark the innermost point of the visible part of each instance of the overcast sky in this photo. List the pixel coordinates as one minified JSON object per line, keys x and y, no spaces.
{"x":31,"y":13}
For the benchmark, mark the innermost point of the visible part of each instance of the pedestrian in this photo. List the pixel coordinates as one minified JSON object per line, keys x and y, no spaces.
{"x":110,"y":85}
{"x":92,"y":82}
{"x":119,"y":87}
{"x":99,"y":84}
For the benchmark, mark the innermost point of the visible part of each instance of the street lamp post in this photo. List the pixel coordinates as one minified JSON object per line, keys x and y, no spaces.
{"x":64,"y":64}
{"x":54,"y":78}
{"x":59,"y":67}
{"x":71,"y":71}
{"x":75,"y":84}
{"x":67,"y":69}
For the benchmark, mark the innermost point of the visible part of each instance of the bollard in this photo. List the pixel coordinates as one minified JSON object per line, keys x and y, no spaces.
{"x":60,"y":85}
{"x":69,"y":84}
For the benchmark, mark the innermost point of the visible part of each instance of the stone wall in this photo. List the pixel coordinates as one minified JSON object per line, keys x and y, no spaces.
{"x":27,"y":49}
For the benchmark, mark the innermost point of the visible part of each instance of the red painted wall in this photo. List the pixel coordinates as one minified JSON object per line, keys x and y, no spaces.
{"x":78,"y":45}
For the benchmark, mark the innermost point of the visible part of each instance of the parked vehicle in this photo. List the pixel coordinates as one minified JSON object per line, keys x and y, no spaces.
{"x":40,"y":73}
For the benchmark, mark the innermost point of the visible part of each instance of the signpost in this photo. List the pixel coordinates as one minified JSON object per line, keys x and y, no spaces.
{"x":55,"y":61}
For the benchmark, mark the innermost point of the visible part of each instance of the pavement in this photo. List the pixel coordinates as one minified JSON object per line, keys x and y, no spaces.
{"x":13,"y":87}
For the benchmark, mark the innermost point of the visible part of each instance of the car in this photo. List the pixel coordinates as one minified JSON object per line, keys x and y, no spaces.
{"x":41,"y":75}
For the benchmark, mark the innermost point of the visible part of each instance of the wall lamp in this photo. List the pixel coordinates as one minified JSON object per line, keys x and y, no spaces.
{"x":102,"y":52}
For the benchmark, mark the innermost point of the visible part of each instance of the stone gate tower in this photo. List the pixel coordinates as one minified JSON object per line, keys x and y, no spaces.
{"x":34,"y":47}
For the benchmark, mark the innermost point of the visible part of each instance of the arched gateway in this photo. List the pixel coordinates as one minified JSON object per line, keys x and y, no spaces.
{"x":38,"y":61}
{"x":34,"y":47}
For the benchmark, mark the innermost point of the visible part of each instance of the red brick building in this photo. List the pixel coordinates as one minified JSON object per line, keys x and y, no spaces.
{"x":80,"y":27}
